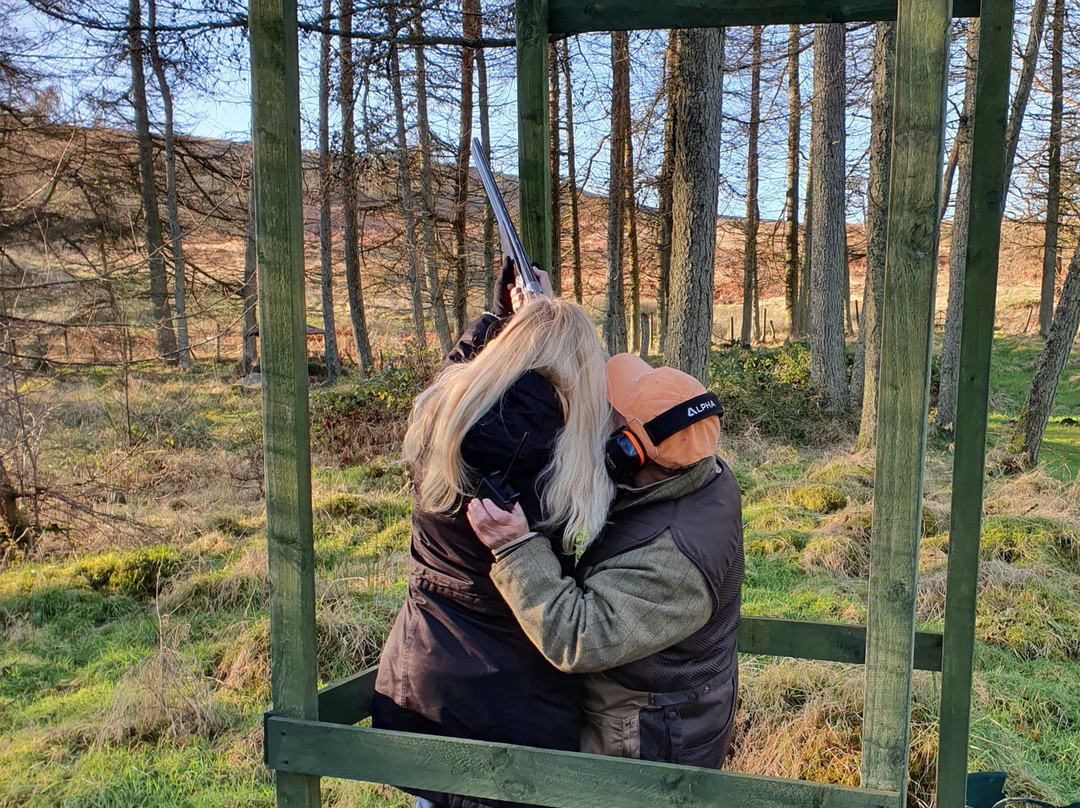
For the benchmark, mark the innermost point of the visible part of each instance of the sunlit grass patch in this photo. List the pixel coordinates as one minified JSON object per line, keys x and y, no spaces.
{"x":1012,"y":367}
{"x":818,"y":498}
{"x":803,"y":720}
{"x":1025,"y":540}
{"x":1039,"y":618}
{"x":117,"y":697}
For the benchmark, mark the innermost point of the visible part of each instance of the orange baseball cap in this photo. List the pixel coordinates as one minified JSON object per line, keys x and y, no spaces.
{"x":640,"y":393}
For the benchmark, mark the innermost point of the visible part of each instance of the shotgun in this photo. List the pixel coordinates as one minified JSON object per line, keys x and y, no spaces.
{"x":511,"y":244}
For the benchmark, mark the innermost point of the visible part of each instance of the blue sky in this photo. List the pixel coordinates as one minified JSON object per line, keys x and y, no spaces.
{"x":217,"y":105}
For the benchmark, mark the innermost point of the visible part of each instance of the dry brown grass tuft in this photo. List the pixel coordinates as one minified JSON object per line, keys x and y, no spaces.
{"x":930,"y":598}
{"x":243,"y":586}
{"x":845,"y":555}
{"x":244,"y":664}
{"x":350,"y":630}
{"x":803,"y":720}
{"x":1032,"y":493}
{"x":166,"y":698}
{"x":755,"y":451}
{"x":853,"y":473}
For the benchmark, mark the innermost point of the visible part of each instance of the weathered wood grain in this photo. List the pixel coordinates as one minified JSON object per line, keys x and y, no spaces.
{"x":279,"y":243}
{"x":922,"y":61}
{"x":536,"y":776}
{"x":575,"y":17}
{"x":534,"y":130}
{"x":977,"y":334}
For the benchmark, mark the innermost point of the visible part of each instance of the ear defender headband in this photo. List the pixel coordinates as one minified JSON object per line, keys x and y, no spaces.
{"x":623,"y":453}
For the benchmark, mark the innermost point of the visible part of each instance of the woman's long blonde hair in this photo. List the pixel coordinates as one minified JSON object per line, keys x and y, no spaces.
{"x":556,"y":339}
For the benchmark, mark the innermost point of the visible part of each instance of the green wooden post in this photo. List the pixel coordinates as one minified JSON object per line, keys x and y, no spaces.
{"x":534,"y":134}
{"x":980,"y":286}
{"x":279,"y":244}
{"x":922,"y":59}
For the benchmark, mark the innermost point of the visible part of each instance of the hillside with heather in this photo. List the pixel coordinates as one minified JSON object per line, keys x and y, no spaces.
{"x":134,"y":651}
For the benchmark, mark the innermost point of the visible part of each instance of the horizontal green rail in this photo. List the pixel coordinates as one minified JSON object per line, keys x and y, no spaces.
{"x":349,"y":700}
{"x":577,"y":17}
{"x":536,"y":776}
{"x":830,"y":642}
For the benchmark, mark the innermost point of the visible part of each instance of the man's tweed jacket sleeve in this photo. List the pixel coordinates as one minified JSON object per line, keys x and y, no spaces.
{"x":628,"y":607}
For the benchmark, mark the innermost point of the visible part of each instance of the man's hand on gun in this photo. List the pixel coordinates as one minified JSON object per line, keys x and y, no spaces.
{"x":519,"y":298}
{"x":494,"y":526}
{"x":511,"y":297}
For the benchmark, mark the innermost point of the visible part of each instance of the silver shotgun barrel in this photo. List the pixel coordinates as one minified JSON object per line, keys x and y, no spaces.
{"x":511,"y":243}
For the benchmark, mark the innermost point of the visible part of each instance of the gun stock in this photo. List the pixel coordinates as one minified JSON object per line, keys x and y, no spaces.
{"x":511,"y":243}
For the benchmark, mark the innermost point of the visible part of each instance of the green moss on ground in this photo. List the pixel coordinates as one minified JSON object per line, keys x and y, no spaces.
{"x":819,"y":498}
{"x":92,"y":647}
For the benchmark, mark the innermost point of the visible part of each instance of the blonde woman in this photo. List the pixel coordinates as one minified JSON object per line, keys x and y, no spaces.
{"x":529,"y":406}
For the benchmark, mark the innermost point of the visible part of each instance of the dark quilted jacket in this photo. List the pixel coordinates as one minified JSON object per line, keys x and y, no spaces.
{"x":456,"y":662}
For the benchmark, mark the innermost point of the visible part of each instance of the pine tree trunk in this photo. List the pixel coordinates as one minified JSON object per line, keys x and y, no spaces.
{"x":250,"y":291}
{"x":750,"y":234}
{"x":1023,"y":90}
{"x":469,"y":21}
{"x":155,"y":246}
{"x":1044,"y":384}
{"x":697,"y":96}
{"x":791,"y":228}
{"x":808,"y":242}
{"x":485,"y":137}
{"x":827,"y":361}
{"x":864,"y":376}
{"x":12,"y":520}
{"x":1053,"y":172}
{"x":947,"y":179}
{"x":848,"y":319}
{"x":663,"y":216}
{"x":571,"y":175}
{"x":349,"y":192}
{"x":615,"y":302}
{"x":950,"y":342}
{"x":412,"y":257}
{"x":554,"y":160}
{"x":176,"y":242}
{"x":326,"y":276}
{"x":632,"y":240}
{"x":427,"y":191}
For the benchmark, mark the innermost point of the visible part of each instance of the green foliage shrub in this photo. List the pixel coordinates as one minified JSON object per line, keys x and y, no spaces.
{"x":137,"y":573}
{"x":819,"y":498}
{"x":769,"y":390}
{"x":356,"y":420}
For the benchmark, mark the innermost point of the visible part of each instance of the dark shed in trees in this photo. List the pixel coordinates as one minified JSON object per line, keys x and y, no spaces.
{"x":309,"y":733}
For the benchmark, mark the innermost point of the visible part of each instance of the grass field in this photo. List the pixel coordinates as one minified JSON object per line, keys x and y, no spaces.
{"x":134,"y":648}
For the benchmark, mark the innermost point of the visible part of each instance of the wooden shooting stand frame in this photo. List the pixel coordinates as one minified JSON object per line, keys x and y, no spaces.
{"x":309,"y":733}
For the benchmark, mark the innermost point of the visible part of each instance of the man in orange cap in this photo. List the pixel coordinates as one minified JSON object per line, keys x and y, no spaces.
{"x":650,"y":618}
